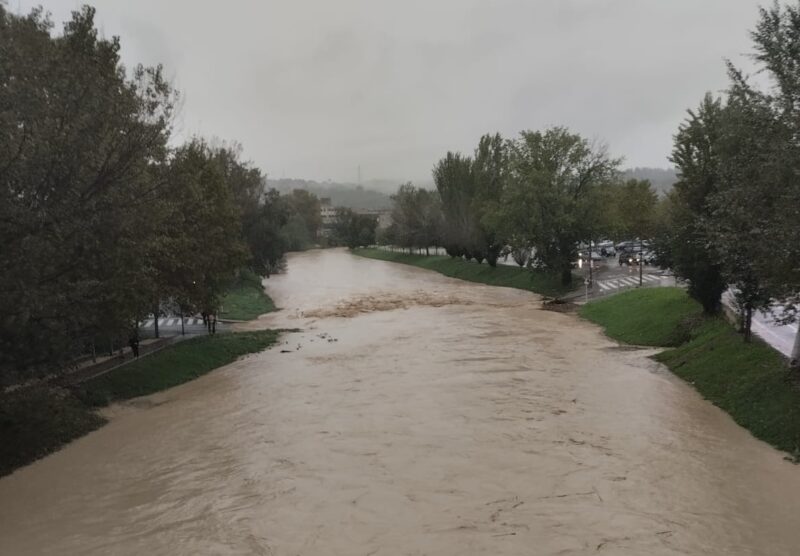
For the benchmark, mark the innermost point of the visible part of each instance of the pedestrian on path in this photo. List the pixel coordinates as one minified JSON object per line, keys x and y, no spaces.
{"x":133,"y":341}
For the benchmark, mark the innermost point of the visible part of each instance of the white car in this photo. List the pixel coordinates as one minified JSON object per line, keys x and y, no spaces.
{"x":606,"y":247}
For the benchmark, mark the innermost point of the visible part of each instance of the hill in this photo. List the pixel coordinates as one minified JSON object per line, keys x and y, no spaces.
{"x":662,"y":178}
{"x":341,"y":194}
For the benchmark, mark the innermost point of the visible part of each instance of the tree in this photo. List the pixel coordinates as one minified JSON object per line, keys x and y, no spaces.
{"x":207,"y":249}
{"x":489,"y":174}
{"x":406,"y":217}
{"x":245,"y":182}
{"x":776,"y":41}
{"x":416,"y":217}
{"x":80,"y":144}
{"x":306,"y":207}
{"x":747,"y":179}
{"x":101,"y":221}
{"x":635,"y":204}
{"x":552,"y":175}
{"x":266,"y":239}
{"x":455,"y":183}
{"x":737,"y":163}
{"x":354,"y":230}
{"x":695,"y":155}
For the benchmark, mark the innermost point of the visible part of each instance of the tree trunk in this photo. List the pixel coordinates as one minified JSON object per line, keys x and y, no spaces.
{"x":155,"y":320}
{"x":794,"y":360}
{"x":748,"y":321}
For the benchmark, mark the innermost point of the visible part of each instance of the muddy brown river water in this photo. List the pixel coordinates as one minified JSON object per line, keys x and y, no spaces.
{"x":414,"y":414}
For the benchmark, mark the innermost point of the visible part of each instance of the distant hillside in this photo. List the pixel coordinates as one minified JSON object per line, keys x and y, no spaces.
{"x":341,"y":194}
{"x":662,"y":178}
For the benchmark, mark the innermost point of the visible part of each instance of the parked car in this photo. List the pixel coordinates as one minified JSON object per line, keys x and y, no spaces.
{"x":606,"y":248}
{"x":595,"y":256}
{"x":650,"y":257}
{"x":624,"y":245}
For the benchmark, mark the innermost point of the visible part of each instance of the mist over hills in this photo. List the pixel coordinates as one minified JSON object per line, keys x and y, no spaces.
{"x":376,"y":194}
{"x":348,"y":195}
{"x":662,"y":178}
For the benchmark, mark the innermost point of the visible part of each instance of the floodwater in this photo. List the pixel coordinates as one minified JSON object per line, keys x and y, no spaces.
{"x":414,"y":414}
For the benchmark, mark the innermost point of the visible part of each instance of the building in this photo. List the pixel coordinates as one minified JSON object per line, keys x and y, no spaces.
{"x":327,"y":214}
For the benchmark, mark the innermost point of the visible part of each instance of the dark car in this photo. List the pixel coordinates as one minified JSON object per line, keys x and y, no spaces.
{"x":628,"y":258}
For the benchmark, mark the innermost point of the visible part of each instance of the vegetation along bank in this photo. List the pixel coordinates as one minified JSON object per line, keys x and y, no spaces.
{"x":38,"y":420}
{"x":246,"y":299}
{"x":541,"y":282}
{"x":750,"y":381}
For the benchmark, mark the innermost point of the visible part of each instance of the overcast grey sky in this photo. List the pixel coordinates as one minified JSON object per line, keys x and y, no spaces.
{"x":314,"y":88}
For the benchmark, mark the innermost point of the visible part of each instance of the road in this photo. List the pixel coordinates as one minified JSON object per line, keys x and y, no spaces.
{"x":171,"y":326}
{"x":413,"y":414}
{"x":779,"y":336}
{"x":611,"y":278}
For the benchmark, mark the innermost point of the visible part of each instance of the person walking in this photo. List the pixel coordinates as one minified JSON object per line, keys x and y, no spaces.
{"x":133,"y":341}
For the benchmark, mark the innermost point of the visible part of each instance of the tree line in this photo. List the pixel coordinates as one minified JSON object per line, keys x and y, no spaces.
{"x":103,"y":220}
{"x":732,"y":217}
{"x":535,"y":197}
{"x":730,"y":221}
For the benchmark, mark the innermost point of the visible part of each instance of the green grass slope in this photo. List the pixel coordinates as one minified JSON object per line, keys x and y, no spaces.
{"x":749,"y":381}
{"x":38,"y":420}
{"x":174,"y":365}
{"x":246,"y":299}
{"x":544,"y":283}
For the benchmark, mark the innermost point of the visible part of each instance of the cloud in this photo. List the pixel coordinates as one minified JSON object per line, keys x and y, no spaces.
{"x":314,"y":88}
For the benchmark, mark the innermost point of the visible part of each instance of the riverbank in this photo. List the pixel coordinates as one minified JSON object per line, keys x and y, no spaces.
{"x":544,"y":283}
{"x":39,"y":420}
{"x":748,"y":381}
{"x":246,"y":299}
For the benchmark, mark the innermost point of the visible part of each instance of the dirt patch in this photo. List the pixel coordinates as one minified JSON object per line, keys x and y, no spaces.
{"x":559,"y":306}
{"x":385,"y":302}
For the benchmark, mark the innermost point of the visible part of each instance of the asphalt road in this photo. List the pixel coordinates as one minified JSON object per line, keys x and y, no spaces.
{"x":779,"y":336}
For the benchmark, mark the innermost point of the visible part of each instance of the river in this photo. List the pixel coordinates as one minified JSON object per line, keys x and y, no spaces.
{"x":413,"y":414}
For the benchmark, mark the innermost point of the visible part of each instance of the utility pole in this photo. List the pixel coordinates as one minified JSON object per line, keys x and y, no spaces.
{"x":641,"y":261}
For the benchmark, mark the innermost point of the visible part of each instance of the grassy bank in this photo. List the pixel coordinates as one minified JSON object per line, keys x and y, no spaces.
{"x":631,"y":316}
{"x":749,"y":381}
{"x":174,"y":365}
{"x":544,"y":283}
{"x":246,"y":299}
{"x":39,"y":420}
